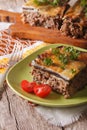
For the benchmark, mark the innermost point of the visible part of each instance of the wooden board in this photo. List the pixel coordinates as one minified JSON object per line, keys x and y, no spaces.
{"x":25,"y":31}
{"x":6,"y":16}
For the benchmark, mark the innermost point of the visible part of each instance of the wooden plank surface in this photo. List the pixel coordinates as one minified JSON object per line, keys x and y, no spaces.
{"x":7,"y":16}
{"x":38,"y":33}
{"x":16,"y":113}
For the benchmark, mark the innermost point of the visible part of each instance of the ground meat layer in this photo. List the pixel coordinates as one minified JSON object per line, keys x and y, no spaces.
{"x":60,"y":85}
{"x":49,"y":19}
{"x":36,"y":19}
{"x":76,"y":28}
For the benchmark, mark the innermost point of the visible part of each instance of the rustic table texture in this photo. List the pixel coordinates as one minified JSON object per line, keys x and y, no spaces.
{"x":16,"y":113}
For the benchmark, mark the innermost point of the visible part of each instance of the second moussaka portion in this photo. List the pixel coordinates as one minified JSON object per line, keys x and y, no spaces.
{"x":45,"y":15}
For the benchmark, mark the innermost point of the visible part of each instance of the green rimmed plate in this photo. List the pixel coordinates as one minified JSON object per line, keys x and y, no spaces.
{"x":22,"y":71}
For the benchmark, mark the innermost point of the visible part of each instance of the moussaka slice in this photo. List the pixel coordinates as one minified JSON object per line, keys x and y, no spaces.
{"x":61,"y":69}
{"x":44,"y":13}
{"x":75,"y":21}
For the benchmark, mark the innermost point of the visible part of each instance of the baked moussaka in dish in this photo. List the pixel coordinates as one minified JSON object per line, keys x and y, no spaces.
{"x":62,"y":69}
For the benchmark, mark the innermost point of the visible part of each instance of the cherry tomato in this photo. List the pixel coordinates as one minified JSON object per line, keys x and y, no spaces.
{"x":42,"y":90}
{"x":28,"y":86}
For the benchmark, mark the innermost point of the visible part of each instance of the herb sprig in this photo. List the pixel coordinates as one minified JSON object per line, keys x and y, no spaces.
{"x":55,"y":51}
{"x":73,"y":71}
{"x":47,"y":61}
{"x":66,"y":55}
{"x":51,"y":2}
{"x":84,"y":5}
{"x":73,"y":53}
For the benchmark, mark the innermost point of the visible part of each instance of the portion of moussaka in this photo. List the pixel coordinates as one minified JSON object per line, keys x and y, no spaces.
{"x":44,"y":13}
{"x":75,"y":21}
{"x":62,"y":69}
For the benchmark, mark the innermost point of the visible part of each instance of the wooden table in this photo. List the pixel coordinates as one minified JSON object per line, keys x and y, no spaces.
{"x":17,"y":114}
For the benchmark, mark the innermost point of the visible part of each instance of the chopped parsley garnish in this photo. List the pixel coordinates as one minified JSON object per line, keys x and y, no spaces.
{"x":64,"y":55}
{"x":84,"y":5}
{"x":47,"y":61}
{"x":73,"y":71}
{"x":74,"y":55}
{"x":55,"y":51}
{"x":51,"y":2}
{"x":62,"y":67}
{"x":67,"y":54}
{"x":63,"y":58}
{"x":72,"y":52}
{"x":41,"y":2}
